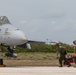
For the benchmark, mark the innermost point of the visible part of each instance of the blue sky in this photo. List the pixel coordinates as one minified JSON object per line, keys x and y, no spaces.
{"x":42,"y":19}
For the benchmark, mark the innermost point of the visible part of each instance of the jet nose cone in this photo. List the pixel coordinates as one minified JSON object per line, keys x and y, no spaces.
{"x":24,"y":39}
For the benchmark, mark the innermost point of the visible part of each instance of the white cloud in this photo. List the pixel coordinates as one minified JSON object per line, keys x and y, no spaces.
{"x":41,"y":19}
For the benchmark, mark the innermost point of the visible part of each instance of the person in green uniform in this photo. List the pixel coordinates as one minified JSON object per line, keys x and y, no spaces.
{"x":62,"y":57}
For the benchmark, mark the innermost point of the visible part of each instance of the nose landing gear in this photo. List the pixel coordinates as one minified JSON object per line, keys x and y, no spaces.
{"x":11,"y":53}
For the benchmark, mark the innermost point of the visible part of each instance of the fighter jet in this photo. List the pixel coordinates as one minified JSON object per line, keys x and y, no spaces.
{"x":10,"y":36}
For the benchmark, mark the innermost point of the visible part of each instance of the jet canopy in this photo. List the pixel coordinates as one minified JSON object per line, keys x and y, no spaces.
{"x":4,"y":20}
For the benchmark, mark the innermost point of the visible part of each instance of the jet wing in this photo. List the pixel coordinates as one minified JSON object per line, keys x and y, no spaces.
{"x":31,"y":42}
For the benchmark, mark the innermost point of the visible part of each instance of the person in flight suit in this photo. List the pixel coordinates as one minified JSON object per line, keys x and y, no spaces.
{"x":62,"y":52}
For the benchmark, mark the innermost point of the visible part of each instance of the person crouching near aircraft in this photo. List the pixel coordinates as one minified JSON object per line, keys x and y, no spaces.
{"x":63,"y":52}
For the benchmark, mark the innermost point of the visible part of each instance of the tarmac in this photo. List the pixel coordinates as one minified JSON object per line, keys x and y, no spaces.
{"x":37,"y":70}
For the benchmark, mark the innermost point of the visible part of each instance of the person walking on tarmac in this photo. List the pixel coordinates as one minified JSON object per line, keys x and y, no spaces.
{"x":62,"y":51}
{"x":57,"y":48}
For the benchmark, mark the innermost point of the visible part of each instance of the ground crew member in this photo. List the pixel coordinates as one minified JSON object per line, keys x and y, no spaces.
{"x":74,"y":42}
{"x":57,"y":48}
{"x":75,"y":57}
{"x":62,"y":51}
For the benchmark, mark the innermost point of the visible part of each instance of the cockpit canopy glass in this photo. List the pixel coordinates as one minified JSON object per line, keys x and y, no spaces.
{"x":4,"y":20}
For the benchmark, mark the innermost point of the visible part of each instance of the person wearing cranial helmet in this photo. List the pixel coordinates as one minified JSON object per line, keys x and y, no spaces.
{"x":63,"y":53}
{"x":74,"y":42}
{"x":57,"y":48}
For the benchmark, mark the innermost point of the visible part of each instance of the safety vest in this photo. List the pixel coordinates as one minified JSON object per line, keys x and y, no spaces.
{"x":75,"y":54}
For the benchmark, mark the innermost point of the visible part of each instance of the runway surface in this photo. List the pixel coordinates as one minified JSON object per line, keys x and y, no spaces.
{"x":37,"y":71}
